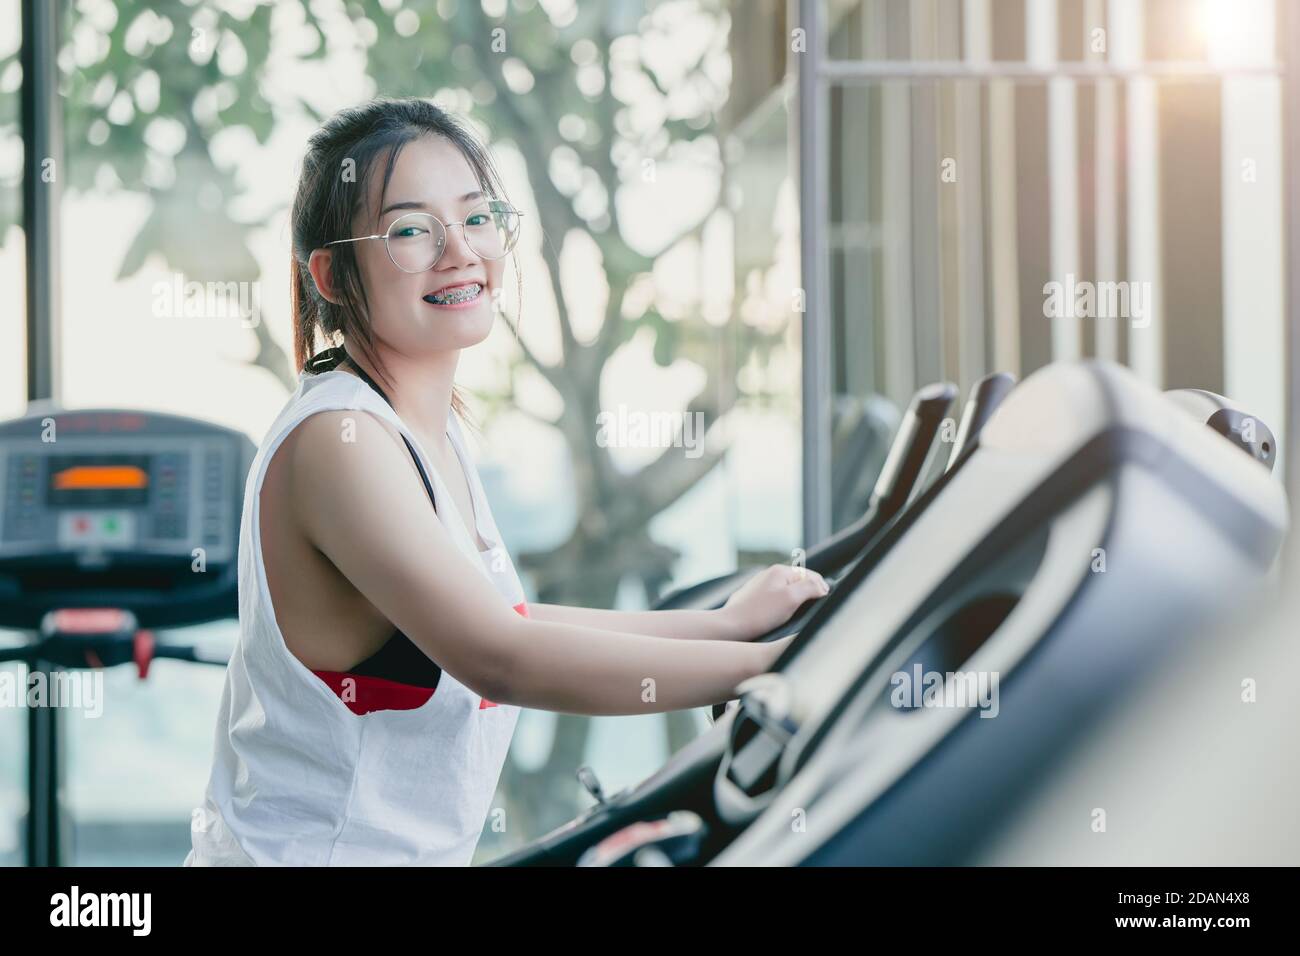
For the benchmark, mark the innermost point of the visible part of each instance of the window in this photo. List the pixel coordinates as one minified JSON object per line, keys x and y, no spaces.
{"x":995,"y":168}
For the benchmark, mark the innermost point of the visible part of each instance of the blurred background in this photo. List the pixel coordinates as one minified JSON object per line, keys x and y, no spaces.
{"x":784,"y":215}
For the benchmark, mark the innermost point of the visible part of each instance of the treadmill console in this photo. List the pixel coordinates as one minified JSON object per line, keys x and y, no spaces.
{"x":130,"y":509}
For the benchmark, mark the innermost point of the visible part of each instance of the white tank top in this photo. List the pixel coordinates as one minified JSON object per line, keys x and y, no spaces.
{"x":298,"y":778}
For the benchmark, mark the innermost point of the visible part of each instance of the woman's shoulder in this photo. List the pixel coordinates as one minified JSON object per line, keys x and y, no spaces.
{"x":339,"y":460}
{"x":328,"y":416}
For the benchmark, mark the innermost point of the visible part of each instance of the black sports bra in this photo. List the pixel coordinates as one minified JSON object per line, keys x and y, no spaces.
{"x":399,"y":659}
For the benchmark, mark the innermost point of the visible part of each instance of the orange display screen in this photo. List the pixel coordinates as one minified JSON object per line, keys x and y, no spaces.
{"x":98,"y":481}
{"x":101,"y":477}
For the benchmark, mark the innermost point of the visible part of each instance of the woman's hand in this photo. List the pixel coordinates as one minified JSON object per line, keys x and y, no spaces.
{"x":770,"y":598}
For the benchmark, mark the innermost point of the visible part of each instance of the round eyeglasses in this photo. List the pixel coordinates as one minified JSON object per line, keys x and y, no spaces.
{"x":416,"y":240}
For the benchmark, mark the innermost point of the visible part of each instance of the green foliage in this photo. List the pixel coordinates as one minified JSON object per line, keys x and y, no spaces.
{"x":131,"y":70}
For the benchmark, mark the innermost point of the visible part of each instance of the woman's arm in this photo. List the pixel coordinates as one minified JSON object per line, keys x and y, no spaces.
{"x":711,"y":625}
{"x":767,"y":599}
{"x":361,"y":505}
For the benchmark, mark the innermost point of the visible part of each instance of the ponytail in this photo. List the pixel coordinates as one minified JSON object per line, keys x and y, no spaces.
{"x":304,"y":315}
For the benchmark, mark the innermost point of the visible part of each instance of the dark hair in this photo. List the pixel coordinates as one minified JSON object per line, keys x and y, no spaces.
{"x":327,"y":200}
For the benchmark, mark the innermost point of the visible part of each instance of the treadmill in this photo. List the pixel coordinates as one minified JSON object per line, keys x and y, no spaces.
{"x":1073,"y":541}
{"x":113,"y":522}
{"x":1093,"y":531}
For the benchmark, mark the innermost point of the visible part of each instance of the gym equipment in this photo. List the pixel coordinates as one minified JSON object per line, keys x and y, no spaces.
{"x":1109,"y":525}
{"x":1090,"y":523}
{"x":1197,"y":767}
{"x":1241,"y":428}
{"x":118,"y":508}
{"x":898,"y":483}
{"x":985,"y":397}
{"x":677,"y":837}
{"x":112,"y":522}
{"x":898,"y":475}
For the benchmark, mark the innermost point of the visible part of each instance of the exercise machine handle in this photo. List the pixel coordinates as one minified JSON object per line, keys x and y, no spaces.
{"x":898,"y":476}
{"x":985,"y":397}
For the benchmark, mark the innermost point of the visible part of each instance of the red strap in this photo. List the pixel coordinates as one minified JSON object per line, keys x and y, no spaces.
{"x":142,"y":651}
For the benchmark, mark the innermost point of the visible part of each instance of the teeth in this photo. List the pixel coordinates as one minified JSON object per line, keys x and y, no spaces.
{"x":462,"y":294}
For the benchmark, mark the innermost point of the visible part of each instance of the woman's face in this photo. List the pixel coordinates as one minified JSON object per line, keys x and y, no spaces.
{"x":431,"y":176}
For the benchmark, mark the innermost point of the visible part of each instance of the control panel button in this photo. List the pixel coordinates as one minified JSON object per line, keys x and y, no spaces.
{"x":96,"y":529}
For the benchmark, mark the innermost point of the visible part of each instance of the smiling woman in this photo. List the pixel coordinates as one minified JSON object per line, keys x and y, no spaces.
{"x":381,"y":638}
{"x":345,"y":246}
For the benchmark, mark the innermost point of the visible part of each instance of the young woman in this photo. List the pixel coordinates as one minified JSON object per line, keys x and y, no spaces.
{"x":385,"y":644}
